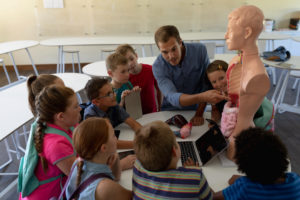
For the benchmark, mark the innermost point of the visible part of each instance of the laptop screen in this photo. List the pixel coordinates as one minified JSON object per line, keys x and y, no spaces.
{"x":211,"y":144}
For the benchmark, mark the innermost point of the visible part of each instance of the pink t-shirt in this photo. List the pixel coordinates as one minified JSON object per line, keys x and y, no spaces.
{"x":147,"y":82}
{"x":55,"y":149}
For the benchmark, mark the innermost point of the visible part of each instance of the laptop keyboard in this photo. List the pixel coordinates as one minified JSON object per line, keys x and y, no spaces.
{"x":187,"y":150}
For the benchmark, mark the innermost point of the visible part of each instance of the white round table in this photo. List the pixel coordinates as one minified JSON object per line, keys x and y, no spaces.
{"x":99,"y":68}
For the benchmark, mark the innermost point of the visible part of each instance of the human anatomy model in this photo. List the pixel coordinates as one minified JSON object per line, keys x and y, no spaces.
{"x":248,"y":81}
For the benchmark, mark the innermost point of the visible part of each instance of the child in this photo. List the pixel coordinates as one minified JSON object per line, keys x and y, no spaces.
{"x":99,"y":91}
{"x":216,"y":74}
{"x":264,"y":159}
{"x":118,"y":69}
{"x":35,"y":84}
{"x":141,"y":75}
{"x":95,"y":142}
{"x":155,"y":173}
{"x":58,"y":111}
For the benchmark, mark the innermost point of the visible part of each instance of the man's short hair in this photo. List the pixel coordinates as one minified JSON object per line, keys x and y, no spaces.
{"x":153,"y":146}
{"x":124,"y":48}
{"x":164,"y":33}
{"x":93,"y":86}
{"x":115,"y":59}
{"x":261,"y":155}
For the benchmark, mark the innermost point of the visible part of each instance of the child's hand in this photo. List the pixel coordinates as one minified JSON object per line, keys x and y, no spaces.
{"x":233,"y":179}
{"x":190,"y":162}
{"x":127,"y":162}
{"x":197,"y":120}
{"x":136,"y":88}
{"x":112,"y":160}
{"x":125,"y":93}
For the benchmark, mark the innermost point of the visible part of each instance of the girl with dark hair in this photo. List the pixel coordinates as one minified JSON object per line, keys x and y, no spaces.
{"x":96,"y":144}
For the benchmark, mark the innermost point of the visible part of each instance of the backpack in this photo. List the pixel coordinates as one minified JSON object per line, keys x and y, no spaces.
{"x":27,"y":181}
{"x":264,"y":117}
{"x":280,"y":54}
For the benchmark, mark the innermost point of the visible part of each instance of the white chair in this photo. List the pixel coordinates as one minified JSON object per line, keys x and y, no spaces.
{"x":106,"y":51}
{"x":211,"y":49}
{"x":72,"y":52}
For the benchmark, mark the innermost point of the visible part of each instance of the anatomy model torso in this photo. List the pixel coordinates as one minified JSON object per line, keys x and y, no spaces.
{"x":248,"y":81}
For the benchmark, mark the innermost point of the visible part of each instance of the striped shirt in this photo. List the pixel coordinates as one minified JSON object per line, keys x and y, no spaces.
{"x":244,"y":188}
{"x":180,"y":183}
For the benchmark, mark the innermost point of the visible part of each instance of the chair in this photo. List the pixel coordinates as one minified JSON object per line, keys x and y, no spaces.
{"x":106,"y":51}
{"x":72,"y":52}
{"x":211,"y":49}
{"x":5,"y":71}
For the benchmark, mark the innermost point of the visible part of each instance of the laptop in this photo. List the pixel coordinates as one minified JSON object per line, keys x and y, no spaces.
{"x":205,"y":148}
{"x":133,"y":105}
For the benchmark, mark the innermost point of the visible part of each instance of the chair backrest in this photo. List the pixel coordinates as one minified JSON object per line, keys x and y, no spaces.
{"x":211,"y":49}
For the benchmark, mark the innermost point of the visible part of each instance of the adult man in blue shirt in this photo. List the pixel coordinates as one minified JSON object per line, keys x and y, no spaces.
{"x":180,"y":72}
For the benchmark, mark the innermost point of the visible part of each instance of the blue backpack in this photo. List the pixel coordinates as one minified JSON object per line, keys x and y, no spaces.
{"x":27,"y":181}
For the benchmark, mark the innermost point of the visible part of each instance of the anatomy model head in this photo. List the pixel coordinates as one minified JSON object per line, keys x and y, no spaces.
{"x":244,"y":26}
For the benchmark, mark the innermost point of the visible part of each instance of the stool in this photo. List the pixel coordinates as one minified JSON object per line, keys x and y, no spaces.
{"x":5,"y":71}
{"x":103,"y":51}
{"x":72,"y":52}
{"x":296,"y":74}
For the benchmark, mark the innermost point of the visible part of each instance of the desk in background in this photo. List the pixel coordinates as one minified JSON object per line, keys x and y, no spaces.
{"x":87,"y":41}
{"x":216,"y":175}
{"x":9,"y":47}
{"x":290,"y":66}
{"x":99,"y":68}
{"x":297,"y":39}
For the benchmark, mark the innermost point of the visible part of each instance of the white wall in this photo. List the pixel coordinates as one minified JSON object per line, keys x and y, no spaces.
{"x":28,"y":19}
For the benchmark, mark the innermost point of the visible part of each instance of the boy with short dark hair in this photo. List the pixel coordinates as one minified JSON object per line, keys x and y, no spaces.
{"x":103,"y":104}
{"x":155,"y":172}
{"x":118,"y":69}
{"x":264,"y":159}
{"x":141,"y":75}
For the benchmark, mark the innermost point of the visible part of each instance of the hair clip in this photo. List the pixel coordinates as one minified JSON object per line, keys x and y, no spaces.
{"x":220,"y":67}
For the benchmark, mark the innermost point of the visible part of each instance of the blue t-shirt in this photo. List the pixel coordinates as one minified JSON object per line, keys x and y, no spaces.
{"x":186,"y":78}
{"x":244,"y":188}
{"x":118,"y":91}
{"x":115,"y":114}
{"x":89,"y":169}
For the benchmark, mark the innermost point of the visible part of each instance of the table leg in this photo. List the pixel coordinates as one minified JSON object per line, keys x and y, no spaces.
{"x":59,"y":68}
{"x":143,"y":51}
{"x":278,"y":87}
{"x":15,"y":66}
{"x":151,"y":49}
{"x":33,"y":65}
{"x":282,"y":91}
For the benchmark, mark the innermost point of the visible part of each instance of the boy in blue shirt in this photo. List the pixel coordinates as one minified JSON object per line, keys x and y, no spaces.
{"x":264,"y":159}
{"x":103,"y":104}
{"x":118,"y":69}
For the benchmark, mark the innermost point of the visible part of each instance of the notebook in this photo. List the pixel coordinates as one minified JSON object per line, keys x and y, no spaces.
{"x":133,"y":104}
{"x":205,"y":148}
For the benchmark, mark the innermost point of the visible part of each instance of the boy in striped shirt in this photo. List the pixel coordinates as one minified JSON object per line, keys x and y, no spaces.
{"x":155,"y":173}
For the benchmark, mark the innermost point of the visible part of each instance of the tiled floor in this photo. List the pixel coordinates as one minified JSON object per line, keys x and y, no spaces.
{"x":287,"y":126}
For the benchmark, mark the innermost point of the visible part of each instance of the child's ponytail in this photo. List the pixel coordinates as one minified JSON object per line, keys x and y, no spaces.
{"x":38,"y":142}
